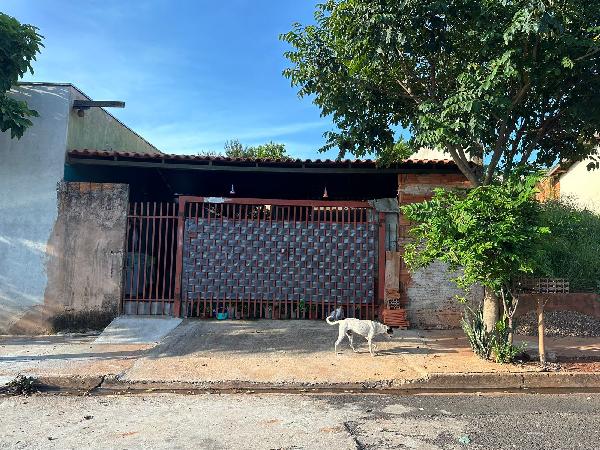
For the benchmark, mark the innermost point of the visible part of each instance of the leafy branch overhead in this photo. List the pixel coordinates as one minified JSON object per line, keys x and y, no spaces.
{"x":513,"y":83}
{"x":19,"y":45}
{"x":492,"y":233}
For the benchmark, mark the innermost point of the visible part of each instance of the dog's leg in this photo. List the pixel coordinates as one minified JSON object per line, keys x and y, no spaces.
{"x":340,"y":338}
{"x":371,"y":346}
{"x":351,"y":339}
{"x":338,"y":342}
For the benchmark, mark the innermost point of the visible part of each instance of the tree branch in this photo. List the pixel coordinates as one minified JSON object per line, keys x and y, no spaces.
{"x":538,"y":136}
{"x":515,"y":146}
{"x":463,"y":165}
{"x":497,"y":152}
{"x":588,"y":54}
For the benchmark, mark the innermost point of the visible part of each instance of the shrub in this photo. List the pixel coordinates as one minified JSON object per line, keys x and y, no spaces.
{"x":572,"y":248}
{"x":504,"y":351}
{"x":480,"y":340}
{"x":21,"y":385}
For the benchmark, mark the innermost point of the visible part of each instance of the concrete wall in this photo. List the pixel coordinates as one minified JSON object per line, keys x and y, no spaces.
{"x":98,"y":130}
{"x":582,"y":186}
{"x":84,"y":266}
{"x":428,"y":294}
{"x":30,"y":169}
{"x":85,"y":270}
{"x":584,"y":303}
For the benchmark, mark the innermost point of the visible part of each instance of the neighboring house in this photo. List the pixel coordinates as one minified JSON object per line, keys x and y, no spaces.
{"x":30,"y":170}
{"x":573,"y":182}
{"x":95,"y":219}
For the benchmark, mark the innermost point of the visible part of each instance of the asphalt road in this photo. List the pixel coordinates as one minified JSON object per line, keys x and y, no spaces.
{"x":274,"y":421}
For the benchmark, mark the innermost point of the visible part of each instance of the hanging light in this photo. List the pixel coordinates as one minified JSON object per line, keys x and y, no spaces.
{"x":325,"y":195}
{"x":232,"y":191}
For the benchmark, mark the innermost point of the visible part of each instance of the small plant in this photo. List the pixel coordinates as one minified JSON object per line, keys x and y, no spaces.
{"x":504,"y":351}
{"x":21,"y":385}
{"x":480,"y":340}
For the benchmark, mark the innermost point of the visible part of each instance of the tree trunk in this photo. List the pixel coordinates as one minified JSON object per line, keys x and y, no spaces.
{"x":541,"y":330}
{"x":510,"y":332}
{"x":490,"y":310}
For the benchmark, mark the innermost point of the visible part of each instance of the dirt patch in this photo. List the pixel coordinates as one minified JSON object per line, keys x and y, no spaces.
{"x":82,"y":321}
{"x":588,"y":367}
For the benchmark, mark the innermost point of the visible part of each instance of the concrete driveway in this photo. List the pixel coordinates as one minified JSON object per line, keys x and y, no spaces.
{"x":282,"y":353}
{"x":275,"y":352}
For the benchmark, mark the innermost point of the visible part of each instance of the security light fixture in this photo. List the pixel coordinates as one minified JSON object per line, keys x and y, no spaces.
{"x":82,"y":105}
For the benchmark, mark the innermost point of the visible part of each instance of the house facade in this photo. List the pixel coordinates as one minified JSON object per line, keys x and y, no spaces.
{"x":573,"y":182}
{"x":94,"y":218}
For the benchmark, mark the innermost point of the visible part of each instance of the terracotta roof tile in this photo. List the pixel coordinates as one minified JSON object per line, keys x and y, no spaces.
{"x":291,"y":162}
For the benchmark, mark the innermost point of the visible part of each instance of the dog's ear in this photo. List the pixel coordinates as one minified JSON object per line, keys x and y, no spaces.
{"x":389,"y":330}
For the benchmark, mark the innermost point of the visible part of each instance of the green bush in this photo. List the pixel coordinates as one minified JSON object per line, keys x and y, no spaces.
{"x":572,"y":249}
{"x":21,"y":385}
{"x":503,"y":350}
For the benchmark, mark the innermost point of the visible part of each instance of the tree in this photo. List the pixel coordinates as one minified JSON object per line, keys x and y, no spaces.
{"x":270,"y":150}
{"x":491,"y":234}
{"x":19,"y":45}
{"x":512,"y":83}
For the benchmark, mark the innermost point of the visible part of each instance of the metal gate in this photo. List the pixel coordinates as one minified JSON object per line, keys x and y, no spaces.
{"x":253,"y":258}
{"x":258,"y":258}
{"x":149,"y":266}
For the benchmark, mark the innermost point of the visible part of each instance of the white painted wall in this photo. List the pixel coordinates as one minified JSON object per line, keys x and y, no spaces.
{"x":30,"y":169}
{"x":582,"y":186}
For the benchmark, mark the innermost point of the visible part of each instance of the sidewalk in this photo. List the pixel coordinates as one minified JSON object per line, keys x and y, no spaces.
{"x":288,"y":355}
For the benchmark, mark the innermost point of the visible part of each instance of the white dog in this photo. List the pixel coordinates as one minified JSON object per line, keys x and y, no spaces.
{"x":366,"y":328}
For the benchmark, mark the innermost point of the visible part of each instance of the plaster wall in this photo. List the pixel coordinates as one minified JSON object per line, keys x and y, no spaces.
{"x":30,"y":169}
{"x":32,"y":285}
{"x":582,"y":186}
{"x":86,"y":269}
{"x":99,"y":130}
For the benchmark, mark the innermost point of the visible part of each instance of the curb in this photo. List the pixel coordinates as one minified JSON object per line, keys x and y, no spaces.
{"x":510,"y":381}
{"x":546,"y":382}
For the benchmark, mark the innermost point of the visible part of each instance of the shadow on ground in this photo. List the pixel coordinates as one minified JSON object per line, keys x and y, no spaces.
{"x":300,"y":337}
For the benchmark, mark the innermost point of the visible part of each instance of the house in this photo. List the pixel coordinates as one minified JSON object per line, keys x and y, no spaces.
{"x":94,"y":218}
{"x":573,"y":182}
{"x":31,"y":168}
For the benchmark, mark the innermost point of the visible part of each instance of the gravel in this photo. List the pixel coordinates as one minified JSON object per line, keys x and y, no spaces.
{"x":559,"y":324}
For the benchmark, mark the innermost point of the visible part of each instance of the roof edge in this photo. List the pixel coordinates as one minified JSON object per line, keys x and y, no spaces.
{"x":48,"y":83}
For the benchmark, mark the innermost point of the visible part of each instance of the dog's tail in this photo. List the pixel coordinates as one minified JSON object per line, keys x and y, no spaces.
{"x":330,"y":322}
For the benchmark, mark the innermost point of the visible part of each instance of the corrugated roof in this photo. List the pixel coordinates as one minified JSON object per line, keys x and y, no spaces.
{"x":224,"y":160}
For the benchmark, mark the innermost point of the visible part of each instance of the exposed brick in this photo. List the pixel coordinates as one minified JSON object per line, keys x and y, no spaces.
{"x":429,"y":293}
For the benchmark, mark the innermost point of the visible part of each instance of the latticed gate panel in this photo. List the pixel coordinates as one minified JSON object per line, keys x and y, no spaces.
{"x":278,"y":260}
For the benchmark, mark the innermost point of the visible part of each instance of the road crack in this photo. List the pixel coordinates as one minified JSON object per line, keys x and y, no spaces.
{"x":350,"y":428}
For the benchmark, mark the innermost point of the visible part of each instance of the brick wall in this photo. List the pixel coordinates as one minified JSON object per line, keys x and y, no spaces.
{"x":429,"y":294}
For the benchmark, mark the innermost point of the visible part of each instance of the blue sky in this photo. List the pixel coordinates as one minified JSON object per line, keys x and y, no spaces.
{"x":192,"y":73}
